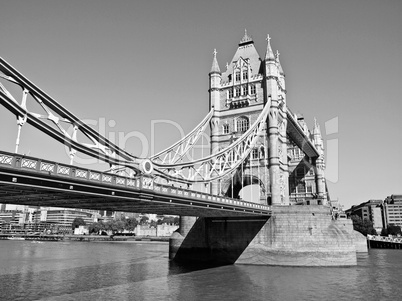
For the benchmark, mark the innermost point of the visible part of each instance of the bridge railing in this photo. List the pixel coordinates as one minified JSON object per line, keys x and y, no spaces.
{"x":143,"y":183}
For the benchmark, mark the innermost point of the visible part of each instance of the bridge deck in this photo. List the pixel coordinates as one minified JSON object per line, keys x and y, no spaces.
{"x":37,"y":182}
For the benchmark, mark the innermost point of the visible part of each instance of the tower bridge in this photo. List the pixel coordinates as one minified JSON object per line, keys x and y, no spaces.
{"x":255,"y":140}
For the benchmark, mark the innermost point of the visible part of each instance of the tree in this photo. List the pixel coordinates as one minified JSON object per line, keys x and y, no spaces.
{"x":78,"y":221}
{"x":144,"y":220}
{"x":96,"y":227}
{"x":115,"y":226}
{"x":394,"y":229}
{"x":130,"y":223}
{"x":170,"y":220}
{"x":363,"y":226}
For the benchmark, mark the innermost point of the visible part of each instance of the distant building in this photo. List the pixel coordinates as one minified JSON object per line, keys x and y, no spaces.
{"x":145,"y":230}
{"x":160,"y":230}
{"x":81,"y":230}
{"x":65,"y":217}
{"x":392,"y":210}
{"x":165,"y":230}
{"x":10,"y":217}
{"x":370,"y":210}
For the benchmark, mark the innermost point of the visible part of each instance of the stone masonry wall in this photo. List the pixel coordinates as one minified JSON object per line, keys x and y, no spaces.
{"x":302,"y":236}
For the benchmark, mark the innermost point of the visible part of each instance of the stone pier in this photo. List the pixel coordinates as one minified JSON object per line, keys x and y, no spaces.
{"x":293,"y":236}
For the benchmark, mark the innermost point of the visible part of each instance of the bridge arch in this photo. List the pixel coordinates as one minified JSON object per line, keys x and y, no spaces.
{"x":243,"y":182}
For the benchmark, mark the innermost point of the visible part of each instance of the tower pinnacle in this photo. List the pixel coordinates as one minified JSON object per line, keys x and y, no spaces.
{"x":316,"y":129}
{"x":269,"y":55}
{"x":246,"y":39}
{"x":317,"y":134}
{"x":215,"y":65}
{"x":279,"y":63}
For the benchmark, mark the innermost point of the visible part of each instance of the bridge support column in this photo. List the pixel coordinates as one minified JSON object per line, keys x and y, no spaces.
{"x":215,"y":241}
{"x":176,"y":240}
{"x":273,"y":157}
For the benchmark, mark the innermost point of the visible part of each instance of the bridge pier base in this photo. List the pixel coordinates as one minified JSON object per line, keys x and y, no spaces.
{"x":293,"y":236}
{"x":175,"y":241}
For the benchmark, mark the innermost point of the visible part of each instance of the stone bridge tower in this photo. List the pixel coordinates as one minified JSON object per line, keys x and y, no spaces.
{"x":238,"y":96}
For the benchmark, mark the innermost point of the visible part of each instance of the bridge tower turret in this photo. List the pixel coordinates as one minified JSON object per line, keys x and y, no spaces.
{"x":215,"y":77}
{"x":277,"y":144}
{"x":319,"y":164}
{"x":283,"y":138}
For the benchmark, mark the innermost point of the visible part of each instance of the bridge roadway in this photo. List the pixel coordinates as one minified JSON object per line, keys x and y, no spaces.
{"x":38,"y":182}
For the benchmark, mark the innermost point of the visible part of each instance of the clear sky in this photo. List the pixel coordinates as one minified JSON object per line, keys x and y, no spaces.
{"x":131,"y":63}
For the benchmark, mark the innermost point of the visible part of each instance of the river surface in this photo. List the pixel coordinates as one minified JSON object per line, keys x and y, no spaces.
{"x":142,"y":271}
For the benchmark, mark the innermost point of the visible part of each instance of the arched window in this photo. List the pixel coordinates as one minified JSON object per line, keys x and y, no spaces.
{"x":242,"y":124}
{"x":238,"y":91}
{"x":262,"y":152}
{"x":226,"y":128}
{"x":237,"y":76}
{"x":252,"y":89}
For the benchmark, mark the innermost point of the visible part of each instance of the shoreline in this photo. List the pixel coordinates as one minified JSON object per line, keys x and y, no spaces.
{"x":87,"y":238}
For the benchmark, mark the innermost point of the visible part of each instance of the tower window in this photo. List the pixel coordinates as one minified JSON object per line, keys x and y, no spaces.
{"x":238,"y":76}
{"x":230,"y":93}
{"x":252,"y":89}
{"x":245,"y":75}
{"x":238,"y":91}
{"x":245,"y":88}
{"x":242,"y":124}
{"x":262,"y":152}
{"x":226,"y":128}
{"x":255,"y":153}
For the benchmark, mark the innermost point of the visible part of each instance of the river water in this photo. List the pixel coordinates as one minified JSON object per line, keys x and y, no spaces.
{"x":142,"y":271}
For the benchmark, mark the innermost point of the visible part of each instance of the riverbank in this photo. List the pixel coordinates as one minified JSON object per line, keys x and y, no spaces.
{"x":88,"y":238}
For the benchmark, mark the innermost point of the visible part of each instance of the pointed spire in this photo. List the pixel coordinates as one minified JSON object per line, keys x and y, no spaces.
{"x":279,"y":63}
{"x":316,"y":130}
{"x":317,"y":138}
{"x":246,"y":39}
{"x":269,"y":55}
{"x":215,"y":65}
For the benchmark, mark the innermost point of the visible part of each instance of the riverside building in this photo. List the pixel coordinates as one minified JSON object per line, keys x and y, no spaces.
{"x":392,"y":210}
